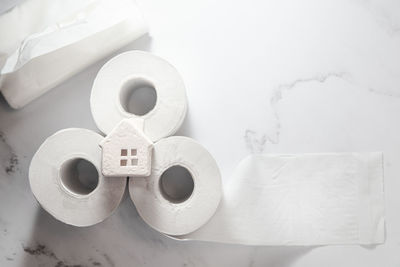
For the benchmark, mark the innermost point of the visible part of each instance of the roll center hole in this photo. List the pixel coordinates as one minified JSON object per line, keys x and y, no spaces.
{"x":176,"y":184}
{"x":138,"y":96}
{"x":79,"y":176}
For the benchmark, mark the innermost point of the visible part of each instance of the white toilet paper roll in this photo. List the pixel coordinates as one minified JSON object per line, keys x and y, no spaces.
{"x":57,"y":177}
{"x":128,"y":72}
{"x":309,"y":199}
{"x":172,"y":212}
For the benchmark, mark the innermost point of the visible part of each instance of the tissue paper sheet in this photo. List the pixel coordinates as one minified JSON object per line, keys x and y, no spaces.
{"x":314,"y":199}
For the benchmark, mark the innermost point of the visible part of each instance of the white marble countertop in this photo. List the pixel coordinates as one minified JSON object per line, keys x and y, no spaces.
{"x":261,"y":76}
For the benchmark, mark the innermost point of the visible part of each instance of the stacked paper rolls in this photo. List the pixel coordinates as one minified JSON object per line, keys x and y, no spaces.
{"x":305,"y":199}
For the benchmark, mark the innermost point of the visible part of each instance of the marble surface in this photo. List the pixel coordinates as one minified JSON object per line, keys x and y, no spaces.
{"x":261,"y":76}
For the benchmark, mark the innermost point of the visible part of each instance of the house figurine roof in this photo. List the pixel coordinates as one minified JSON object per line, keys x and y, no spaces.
{"x":126,"y":150}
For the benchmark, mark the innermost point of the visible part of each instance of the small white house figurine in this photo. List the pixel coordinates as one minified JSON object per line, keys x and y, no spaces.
{"x":126,"y":151}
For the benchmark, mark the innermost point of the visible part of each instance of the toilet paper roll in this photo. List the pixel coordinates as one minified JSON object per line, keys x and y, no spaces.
{"x":57,"y":178}
{"x":310,"y":199}
{"x":170,"y":212}
{"x":130,"y":71}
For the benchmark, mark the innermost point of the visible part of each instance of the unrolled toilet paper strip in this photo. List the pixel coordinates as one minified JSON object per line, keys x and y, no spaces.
{"x":317,"y":199}
{"x":309,"y":199}
{"x":56,"y":184}
{"x":44,"y":42}
{"x":124,"y":74}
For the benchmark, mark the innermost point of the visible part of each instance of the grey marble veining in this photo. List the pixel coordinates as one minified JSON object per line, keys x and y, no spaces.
{"x":261,"y":77}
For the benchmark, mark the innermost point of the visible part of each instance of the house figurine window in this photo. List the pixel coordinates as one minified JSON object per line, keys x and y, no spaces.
{"x":129,"y":157}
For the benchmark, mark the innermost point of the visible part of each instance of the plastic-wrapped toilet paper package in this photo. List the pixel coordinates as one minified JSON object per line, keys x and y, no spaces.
{"x":124,"y":74}
{"x":310,"y":199}
{"x":44,"y":42}
{"x":65,"y":177}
